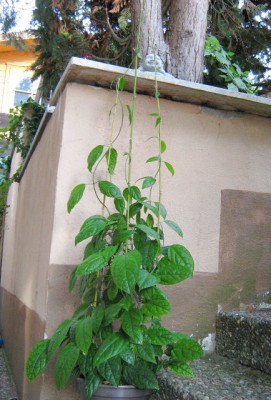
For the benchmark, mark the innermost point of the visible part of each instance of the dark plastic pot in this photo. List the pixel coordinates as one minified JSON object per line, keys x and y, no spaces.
{"x":108,"y":392}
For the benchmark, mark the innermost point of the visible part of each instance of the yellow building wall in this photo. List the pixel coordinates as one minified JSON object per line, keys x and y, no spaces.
{"x":14,"y":66}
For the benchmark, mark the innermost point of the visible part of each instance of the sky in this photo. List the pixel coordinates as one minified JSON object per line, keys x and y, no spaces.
{"x":24,"y":8}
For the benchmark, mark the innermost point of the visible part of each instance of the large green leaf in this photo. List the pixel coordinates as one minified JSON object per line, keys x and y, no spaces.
{"x":181,"y":256}
{"x":163,"y":146}
{"x":149,"y":231}
{"x":140,"y":376}
{"x":181,"y":369}
{"x":96,"y":261}
{"x":121,"y":236}
{"x":37,"y":360}
{"x":121,"y":83}
{"x":130,"y":323}
{"x":97,"y":317}
{"x":111,"y":347}
{"x":174,"y":226}
{"x":146,"y":352}
{"x":97,"y":243}
{"x":92,"y":383}
{"x":59,"y":336}
{"x":186,"y":349}
{"x":133,"y":192}
{"x":171,"y":273}
{"x":85,"y":362}
{"x":134,"y":209}
{"x":111,"y":158}
{"x":111,"y":370}
{"x":147,"y":279}
{"x":72,"y":280}
{"x":128,"y":355}
{"x":109,"y":189}
{"x":149,"y":181}
{"x":111,"y":313}
{"x":80,"y":311}
{"x":148,"y":250}
{"x":65,"y":364}
{"x":161,"y":209}
{"x":156,"y":302}
{"x":158,"y":335}
{"x":169,"y":167}
{"x":93,"y":156}
{"x":178,"y":266}
{"x":126,"y":302}
{"x":112,"y":291}
{"x":91,"y":227}
{"x":150,"y":207}
{"x":120,"y":205}
{"x":75,"y":196}
{"x":125,"y":270}
{"x":152,"y":159}
{"x":83,"y":334}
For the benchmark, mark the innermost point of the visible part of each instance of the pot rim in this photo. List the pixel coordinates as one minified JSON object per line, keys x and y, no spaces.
{"x":109,"y":385}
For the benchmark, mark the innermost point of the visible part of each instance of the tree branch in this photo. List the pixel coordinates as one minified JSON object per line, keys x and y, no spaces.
{"x":116,"y":37}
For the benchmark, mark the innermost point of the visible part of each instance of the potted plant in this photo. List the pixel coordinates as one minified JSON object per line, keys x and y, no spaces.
{"x":115,"y":342}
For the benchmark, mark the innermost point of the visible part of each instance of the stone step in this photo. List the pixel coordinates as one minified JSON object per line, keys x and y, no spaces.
{"x":7,"y":387}
{"x":216,"y":378}
{"x":246,"y":337}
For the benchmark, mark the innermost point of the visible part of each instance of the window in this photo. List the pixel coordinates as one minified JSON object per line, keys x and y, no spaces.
{"x":23,"y":91}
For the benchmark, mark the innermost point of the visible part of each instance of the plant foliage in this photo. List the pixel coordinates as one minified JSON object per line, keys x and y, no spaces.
{"x":23,"y":122}
{"x":116,"y":335}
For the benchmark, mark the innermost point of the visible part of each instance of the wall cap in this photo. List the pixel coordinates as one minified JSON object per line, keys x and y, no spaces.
{"x":80,"y":70}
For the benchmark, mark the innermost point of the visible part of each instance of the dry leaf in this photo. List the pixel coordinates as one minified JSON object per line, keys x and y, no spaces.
{"x":118,"y":5}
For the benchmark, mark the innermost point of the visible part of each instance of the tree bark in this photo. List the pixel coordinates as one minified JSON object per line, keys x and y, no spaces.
{"x":182,"y":47}
{"x":152,"y":35}
{"x":186,"y":38}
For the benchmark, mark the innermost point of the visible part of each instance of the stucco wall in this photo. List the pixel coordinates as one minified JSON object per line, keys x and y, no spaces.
{"x":29,"y":283}
{"x":211,"y":150}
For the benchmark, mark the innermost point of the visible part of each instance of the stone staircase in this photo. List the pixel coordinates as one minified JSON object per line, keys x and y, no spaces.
{"x":240,"y":368}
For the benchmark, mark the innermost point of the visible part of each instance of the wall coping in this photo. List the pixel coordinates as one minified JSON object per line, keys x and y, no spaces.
{"x":83,"y":71}
{"x":95,"y":73}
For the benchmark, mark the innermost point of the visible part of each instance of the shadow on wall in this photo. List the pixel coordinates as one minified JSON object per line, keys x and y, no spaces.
{"x":245,"y":250}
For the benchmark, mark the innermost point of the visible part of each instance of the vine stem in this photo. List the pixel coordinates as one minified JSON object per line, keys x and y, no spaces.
{"x":160,"y":191}
{"x":99,"y":289}
{"x":131,"y":135}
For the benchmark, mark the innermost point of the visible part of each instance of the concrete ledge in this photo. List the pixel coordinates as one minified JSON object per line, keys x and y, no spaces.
{"x":94,"y":73}
{"x":216,"y":378}
{"x":245,"y":337}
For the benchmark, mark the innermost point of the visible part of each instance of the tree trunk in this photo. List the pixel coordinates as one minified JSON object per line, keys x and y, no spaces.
{"x":152,"y":35}
{"x":182,"y":48}
{"x":186,"y":38}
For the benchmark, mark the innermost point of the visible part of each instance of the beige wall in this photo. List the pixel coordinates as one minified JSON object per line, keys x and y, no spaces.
{"x":29,"y":283}
{"x":211,"y":151}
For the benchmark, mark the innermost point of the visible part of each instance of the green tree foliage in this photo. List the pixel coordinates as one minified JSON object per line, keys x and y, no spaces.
{"x":8,"y":15}
{"x":245,"y":33}
{"x":101,"y":30}
{"x":76,"y":28}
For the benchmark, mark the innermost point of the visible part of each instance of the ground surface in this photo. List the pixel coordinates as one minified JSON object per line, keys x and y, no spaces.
{"x":7,"y":388}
